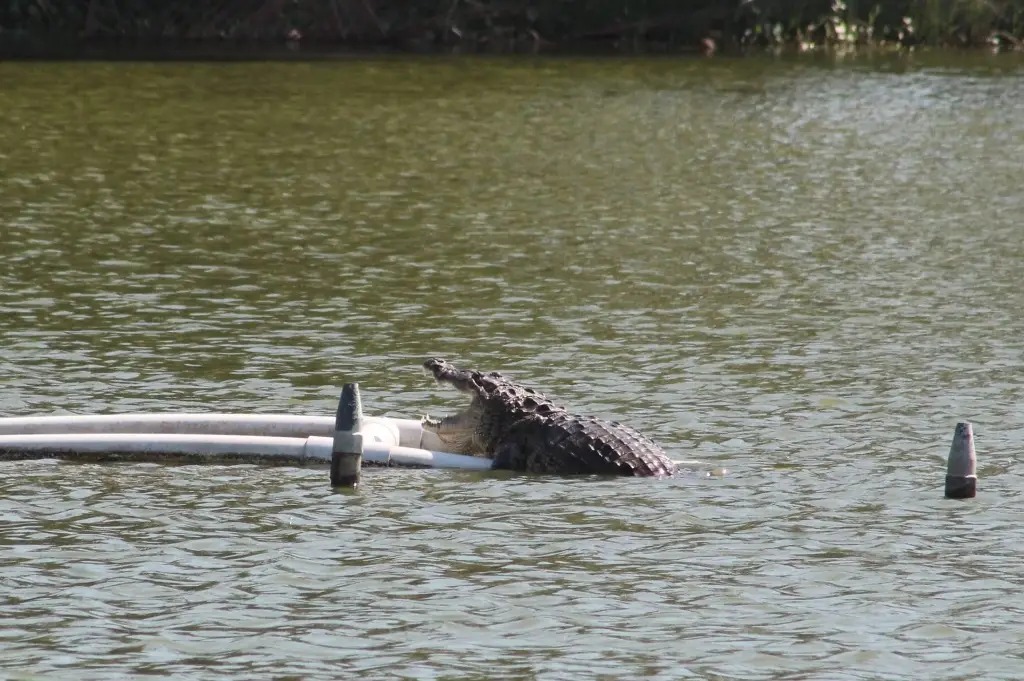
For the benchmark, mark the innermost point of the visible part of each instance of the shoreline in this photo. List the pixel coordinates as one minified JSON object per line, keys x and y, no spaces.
{"x":123,"y":49}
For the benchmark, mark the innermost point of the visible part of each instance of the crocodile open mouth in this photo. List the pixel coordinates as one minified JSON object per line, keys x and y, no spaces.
{"x":455,"y":430}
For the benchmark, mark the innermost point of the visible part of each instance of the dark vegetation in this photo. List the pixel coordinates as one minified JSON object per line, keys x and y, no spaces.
{"x":525,"y":25}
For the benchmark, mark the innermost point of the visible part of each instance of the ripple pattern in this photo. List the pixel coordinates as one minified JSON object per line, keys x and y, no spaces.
{"x":806,"y":271}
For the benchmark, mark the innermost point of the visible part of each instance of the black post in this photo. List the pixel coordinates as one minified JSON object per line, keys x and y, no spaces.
{"x":961,"y":467}
{"x":347,"y":452}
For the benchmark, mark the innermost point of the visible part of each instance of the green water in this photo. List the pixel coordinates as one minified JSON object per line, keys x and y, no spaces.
{"x":804,"y":270}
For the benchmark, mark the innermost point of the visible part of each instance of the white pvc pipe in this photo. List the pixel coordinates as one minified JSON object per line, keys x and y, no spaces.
{"x":410,"y":431}
{"x":411,"y":456}
{"x":281,"y":425}
{"x":204,"y":448}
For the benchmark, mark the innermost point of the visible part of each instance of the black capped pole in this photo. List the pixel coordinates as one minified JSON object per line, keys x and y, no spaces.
{"x":347,"y":452}
{"x":961,"y":468}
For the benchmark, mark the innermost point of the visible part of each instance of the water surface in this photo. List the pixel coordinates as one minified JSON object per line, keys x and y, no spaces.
{"x":806,"y":271}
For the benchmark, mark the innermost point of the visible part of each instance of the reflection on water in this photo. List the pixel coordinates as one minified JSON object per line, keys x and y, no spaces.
{"x":805,"y":272}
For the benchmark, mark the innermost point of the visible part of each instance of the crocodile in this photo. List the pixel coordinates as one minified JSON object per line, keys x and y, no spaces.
{"x":522,"y":430}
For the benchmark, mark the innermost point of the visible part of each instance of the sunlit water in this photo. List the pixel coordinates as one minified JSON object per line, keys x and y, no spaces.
{"x":804,"y":271}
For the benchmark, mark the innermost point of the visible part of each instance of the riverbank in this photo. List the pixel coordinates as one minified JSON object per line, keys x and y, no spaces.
{"x":61,"y":28}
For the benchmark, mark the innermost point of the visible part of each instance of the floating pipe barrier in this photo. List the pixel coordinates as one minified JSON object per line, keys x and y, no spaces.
{"x":218,"y":449}
{"x":344,"y":442}
{"x":409,"y":432}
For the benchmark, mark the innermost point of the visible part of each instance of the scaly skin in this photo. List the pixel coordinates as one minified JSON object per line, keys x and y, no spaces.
{"x":523,"y":430}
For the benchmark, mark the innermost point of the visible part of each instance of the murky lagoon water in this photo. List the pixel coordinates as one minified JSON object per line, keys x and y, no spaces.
{"x":804,"y":271}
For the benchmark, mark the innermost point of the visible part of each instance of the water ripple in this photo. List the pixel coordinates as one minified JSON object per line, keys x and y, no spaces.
{"x":804,"y":272}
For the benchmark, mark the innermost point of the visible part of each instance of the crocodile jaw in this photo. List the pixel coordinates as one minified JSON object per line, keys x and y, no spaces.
{"x":444,"y":372}
{"x":456,"y":431}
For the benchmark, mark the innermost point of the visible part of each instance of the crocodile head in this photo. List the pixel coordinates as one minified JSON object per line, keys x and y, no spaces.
{"x":496,"y":404}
